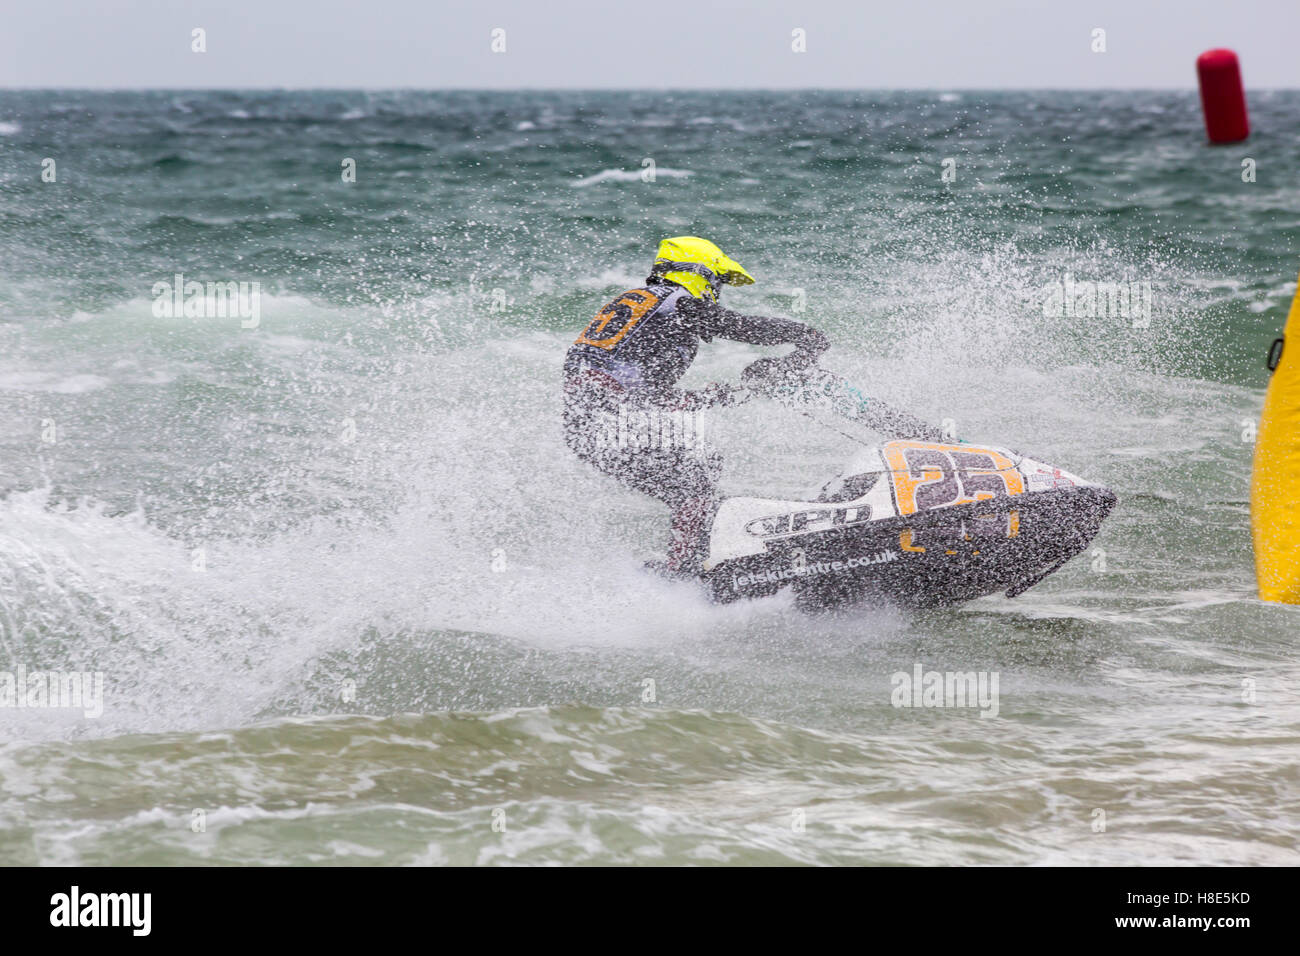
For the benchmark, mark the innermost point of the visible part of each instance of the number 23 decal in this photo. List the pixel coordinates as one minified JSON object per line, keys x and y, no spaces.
{"x":926,"y":475}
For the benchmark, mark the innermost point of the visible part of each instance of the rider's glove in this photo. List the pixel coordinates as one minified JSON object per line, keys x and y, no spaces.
{"x":776,"y":371}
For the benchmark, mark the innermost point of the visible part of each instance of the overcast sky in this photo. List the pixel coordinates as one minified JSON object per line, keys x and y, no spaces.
{"x":872,"y":44}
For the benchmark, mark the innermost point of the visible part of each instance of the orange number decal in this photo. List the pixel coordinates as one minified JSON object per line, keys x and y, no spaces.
{"x":617,"y":319}
{"x":927,"y":475}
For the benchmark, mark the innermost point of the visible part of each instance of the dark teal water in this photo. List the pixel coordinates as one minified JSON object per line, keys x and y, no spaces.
{"x":350,"y":595}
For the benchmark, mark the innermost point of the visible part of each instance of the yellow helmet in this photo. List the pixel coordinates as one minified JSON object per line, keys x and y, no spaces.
{"x":699,"y":266}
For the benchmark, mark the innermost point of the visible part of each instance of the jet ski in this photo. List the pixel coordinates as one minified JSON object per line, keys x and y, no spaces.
{"x":920,"y":520}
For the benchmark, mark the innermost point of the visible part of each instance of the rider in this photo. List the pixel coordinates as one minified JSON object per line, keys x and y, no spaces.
{"x":629,"y":359}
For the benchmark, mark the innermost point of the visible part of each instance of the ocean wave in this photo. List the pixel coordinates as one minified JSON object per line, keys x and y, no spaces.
{"x":630,"y":785}
{"x":628,"y":176}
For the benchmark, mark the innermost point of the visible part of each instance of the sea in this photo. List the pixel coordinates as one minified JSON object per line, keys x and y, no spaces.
{"x":333,"y":591}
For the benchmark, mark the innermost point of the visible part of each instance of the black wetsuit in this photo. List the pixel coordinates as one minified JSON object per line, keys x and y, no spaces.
{"x":632,"y":355}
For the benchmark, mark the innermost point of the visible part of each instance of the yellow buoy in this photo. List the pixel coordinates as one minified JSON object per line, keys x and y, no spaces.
{"x":1275,"y":483}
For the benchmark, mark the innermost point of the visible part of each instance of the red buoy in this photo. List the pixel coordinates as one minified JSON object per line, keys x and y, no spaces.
{"x":1222,"y":97}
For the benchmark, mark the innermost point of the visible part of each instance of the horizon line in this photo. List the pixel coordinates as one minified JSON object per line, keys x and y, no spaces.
{"x":623,"y":89}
